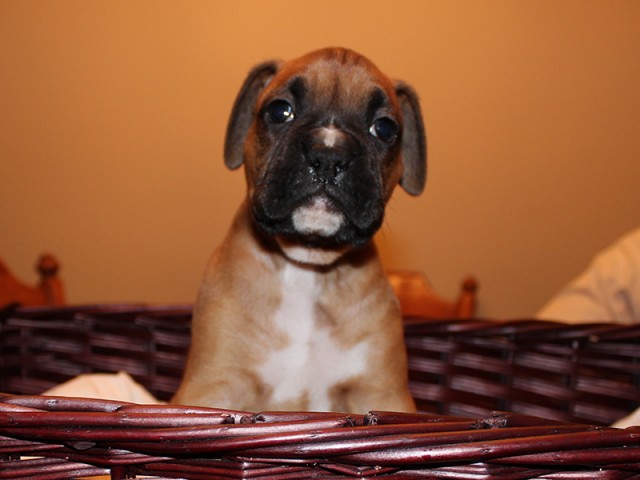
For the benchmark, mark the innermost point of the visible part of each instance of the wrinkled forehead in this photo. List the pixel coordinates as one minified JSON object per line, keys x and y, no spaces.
{"x":348,"y":80}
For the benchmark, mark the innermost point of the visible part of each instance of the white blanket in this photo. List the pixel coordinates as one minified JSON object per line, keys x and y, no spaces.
{"x":105,"y":386}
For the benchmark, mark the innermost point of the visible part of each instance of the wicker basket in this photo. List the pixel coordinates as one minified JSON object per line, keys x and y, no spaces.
{"x":570,"y":375}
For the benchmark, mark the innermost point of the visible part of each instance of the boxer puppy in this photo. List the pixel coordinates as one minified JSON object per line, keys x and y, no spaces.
{"x":295,"y":311}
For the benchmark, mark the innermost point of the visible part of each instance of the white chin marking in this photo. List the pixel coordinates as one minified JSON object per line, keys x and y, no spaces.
{"x":316,"y":218}
{"x":311,"y":256}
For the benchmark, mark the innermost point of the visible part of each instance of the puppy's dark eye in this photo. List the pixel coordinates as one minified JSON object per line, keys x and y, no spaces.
{"x":384,"y":128}
{"x":279,"y":111}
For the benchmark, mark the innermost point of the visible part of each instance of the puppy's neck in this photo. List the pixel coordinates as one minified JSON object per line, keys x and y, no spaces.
{"x":319,"y":257}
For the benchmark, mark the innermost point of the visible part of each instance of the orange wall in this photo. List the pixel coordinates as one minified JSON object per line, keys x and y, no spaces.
{"x":113,"y":115}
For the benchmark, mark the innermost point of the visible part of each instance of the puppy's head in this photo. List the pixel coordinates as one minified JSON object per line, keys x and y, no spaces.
{"x":324,"y":139}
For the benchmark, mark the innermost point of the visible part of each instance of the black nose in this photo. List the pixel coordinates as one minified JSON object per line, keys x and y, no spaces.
{"x":327,"y":164}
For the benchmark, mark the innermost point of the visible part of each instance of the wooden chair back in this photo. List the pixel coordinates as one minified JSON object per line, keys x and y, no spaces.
{"x":418,"y":299}
{"x":48,"y":291}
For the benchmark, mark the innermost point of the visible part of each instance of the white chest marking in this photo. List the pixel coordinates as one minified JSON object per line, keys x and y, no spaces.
{"x":311,"y":362}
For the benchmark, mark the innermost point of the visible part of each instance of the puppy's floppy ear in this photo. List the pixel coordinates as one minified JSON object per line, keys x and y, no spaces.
{"x":414,"y":142}
{"x":243,"y":111}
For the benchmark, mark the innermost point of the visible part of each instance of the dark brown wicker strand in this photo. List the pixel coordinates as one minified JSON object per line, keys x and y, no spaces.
{"x":575,"y":376}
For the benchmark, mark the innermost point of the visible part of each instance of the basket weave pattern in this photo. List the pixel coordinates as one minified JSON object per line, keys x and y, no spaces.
{"x":571,"y":375}
{"x":575,"y":373}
